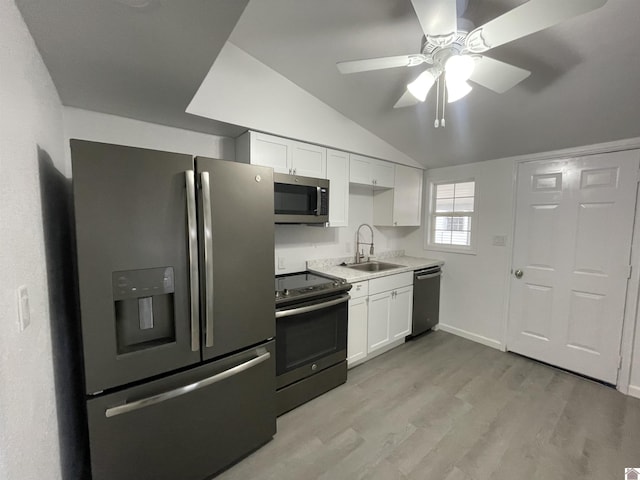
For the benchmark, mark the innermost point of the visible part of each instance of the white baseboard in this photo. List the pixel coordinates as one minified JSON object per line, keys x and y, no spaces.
{"x":489,"y":342}
{"x":634,"y":391}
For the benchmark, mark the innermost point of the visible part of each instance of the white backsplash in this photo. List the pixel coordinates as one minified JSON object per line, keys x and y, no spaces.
{"x":295,"y":244}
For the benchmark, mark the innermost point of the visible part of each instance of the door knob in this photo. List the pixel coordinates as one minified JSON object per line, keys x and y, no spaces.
{"x":518,"y":273}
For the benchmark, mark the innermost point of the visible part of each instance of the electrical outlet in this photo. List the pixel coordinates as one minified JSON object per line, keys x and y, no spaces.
{"x":281,"y":263}
{"x":24,"y":315}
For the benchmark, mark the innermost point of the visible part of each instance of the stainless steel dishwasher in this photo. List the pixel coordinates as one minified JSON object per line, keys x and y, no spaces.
{"x":426,"y":299}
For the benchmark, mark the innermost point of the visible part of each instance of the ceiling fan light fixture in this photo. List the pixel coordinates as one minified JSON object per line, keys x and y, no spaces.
{"x":459,"y":67}
{"x":420,"y":87}
{"x":457,"y":90}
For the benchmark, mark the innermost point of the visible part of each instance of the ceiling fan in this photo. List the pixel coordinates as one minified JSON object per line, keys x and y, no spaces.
{"x":454,"y":50}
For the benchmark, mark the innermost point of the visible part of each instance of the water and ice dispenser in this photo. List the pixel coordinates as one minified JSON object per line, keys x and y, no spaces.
{"x":144,"y":308}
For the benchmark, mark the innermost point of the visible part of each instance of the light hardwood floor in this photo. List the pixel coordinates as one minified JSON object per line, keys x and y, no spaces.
{"x":444,"y":408}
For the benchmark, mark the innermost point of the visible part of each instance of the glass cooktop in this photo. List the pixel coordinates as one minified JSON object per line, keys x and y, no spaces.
{"x":306,"y":284}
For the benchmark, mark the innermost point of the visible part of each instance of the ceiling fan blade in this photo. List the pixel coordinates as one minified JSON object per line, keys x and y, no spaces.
{"x":436,"y":17}
{"x":406,"y":100}
{"x":496,"y":75}
{"x":528,"y":18}
{"x":368,"y":64}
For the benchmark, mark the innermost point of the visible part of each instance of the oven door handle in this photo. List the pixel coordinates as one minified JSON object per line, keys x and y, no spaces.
{"x":312,"y":308}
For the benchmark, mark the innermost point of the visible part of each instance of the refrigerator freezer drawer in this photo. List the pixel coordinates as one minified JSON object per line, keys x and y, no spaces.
{"x":187,"y":426}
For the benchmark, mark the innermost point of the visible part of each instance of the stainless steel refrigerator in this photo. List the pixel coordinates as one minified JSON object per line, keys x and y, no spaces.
{"x":175,"y":277}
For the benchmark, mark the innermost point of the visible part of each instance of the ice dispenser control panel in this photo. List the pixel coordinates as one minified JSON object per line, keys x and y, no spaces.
{"x":144,"y":313}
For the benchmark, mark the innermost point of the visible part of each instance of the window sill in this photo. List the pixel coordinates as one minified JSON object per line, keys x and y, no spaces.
{"x":451,"y":249}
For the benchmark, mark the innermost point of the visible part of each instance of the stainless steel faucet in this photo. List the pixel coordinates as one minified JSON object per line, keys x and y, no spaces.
{"x":360,"y":255}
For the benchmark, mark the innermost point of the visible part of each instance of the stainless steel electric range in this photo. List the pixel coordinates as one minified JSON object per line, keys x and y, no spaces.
{"x":311,"y":337}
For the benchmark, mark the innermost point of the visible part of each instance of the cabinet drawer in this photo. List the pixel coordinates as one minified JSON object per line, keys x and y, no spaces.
{"x":390,"y":282}
{"x":359,"y":289}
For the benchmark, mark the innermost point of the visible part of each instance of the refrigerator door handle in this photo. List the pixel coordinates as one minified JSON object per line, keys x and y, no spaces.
{"x":193,"y":260}
{"x":263,"y":356}
{"x":208,"y":260}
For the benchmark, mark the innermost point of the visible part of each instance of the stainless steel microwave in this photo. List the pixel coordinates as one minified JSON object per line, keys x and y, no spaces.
{"x":300,"y":199}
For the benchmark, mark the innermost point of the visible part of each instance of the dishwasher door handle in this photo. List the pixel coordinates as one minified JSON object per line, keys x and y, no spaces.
{"x":430,"y":275}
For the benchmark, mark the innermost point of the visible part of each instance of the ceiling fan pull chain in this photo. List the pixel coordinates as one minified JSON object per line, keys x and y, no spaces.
{"x":436,"y":122}
{"x":444,"y":104}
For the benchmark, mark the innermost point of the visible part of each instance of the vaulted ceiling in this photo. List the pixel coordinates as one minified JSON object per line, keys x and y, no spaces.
{"x":147,"y":63}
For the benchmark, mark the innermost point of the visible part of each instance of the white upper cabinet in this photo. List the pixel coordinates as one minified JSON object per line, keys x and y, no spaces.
{"x":402,"y":205}
{"x":282,"y":154}
{"x":382,"y":173}
{"x":369,"y":171}
{"x":338,"y":176}
{"x":266,"y":150}
{"x":308,"y":160}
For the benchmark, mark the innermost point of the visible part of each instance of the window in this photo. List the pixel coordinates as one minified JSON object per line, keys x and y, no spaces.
{"x":453,"y":216}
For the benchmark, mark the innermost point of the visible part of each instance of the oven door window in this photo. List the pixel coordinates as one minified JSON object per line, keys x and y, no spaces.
{"x":295,"y":199}
{"x":309,"y":337}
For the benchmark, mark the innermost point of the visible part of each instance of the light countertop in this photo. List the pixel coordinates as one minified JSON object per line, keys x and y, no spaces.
{"x":407,"y":264}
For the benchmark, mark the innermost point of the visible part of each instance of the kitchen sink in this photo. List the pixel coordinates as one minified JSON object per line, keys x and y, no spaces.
{"x":374,"y":266}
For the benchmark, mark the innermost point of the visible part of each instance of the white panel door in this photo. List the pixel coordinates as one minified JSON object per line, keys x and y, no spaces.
{"x":574,"y":221}
{"x":309,"y":160}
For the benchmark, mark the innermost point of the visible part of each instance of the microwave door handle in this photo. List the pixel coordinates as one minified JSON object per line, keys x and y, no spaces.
{"x":319,"y":201}
{"x":193,"y":260}
{"x":208,"y":257}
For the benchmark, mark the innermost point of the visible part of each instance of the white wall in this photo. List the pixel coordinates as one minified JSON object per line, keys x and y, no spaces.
{"x":100,"y":127}
{"x":634,"y":382}
{"x":30,"y":133}
{"x":241,"y":90}
{"x":473,"y":288}
{"x":297,"y":243}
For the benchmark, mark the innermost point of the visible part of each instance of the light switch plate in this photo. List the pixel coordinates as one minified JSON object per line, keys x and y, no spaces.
{"x":499,"y":240}
{"x":24,"y":314}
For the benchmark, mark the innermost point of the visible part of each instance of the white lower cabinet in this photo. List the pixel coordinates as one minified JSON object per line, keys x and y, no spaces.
{"x":357,"y":340}
{"x":379,"y":315}
{"x":401,"y":312}
{"x":358,"y":323}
